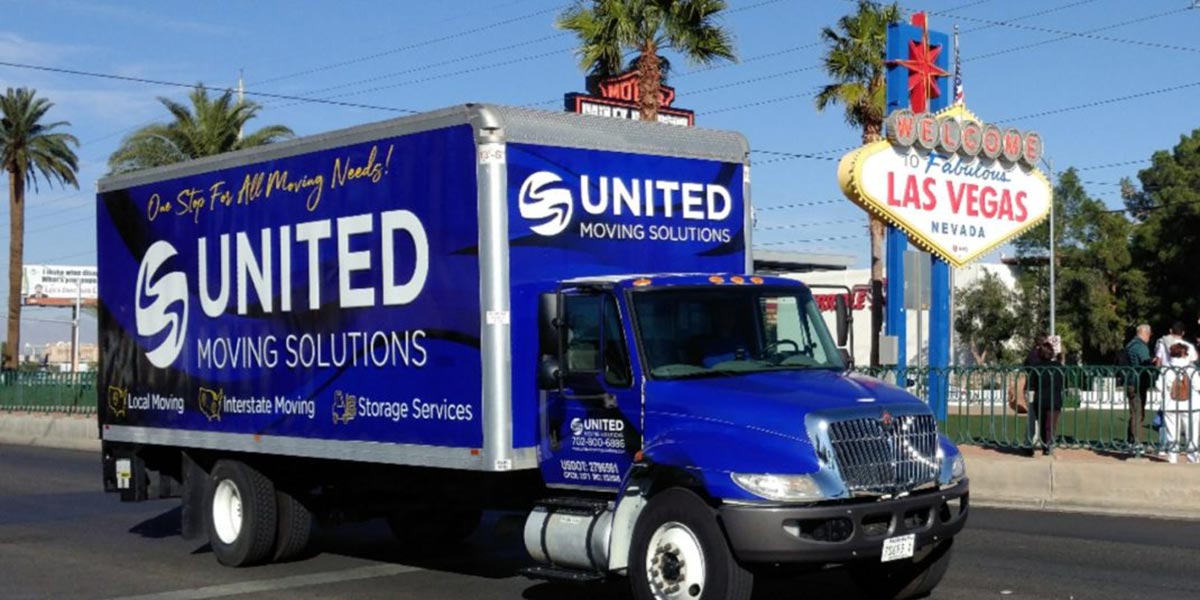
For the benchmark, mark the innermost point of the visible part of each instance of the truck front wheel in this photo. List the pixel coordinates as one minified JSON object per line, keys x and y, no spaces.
{"x":679,"y":553}
{"x":904,"y":579}
{"x":241,"y":514}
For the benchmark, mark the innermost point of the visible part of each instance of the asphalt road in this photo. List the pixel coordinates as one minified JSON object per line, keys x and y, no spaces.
{"x":60,"y":537}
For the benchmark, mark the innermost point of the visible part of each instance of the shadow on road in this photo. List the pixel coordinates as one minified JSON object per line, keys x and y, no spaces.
{"x":496,"y":551}
{"x":163,"y":526}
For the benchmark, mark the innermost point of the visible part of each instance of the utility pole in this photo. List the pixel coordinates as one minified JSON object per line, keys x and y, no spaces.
{"x":75,"y":324}
{"x":241,"y":100}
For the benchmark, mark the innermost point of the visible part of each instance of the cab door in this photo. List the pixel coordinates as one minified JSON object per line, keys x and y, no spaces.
{"x":590,"y":413}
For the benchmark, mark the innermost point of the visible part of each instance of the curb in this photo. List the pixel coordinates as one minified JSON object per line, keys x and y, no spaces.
{"x":68,"y":432}
{"x":1110,"y":487}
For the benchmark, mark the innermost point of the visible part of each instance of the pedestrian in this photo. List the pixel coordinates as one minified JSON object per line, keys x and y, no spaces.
{"x":1138,"y":382}
{"x":1177,"y":398}
{"x":1174,"y":336}
{"x":1162,"y":354}
{"x":1047,"y":381}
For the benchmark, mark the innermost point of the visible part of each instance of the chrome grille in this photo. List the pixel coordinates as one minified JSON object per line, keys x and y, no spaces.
{"x":876,"y":457}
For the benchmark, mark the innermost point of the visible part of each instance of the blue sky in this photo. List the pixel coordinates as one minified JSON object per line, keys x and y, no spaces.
{"x":426,"y":55}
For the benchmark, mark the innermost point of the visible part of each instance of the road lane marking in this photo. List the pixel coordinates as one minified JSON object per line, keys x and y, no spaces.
{"x":282,"y":583}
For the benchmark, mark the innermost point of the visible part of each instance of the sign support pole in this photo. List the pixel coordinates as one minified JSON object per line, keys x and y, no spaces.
{"x":896,"y":321}
{"x":939,"y":310}
{"x":939,"y":335}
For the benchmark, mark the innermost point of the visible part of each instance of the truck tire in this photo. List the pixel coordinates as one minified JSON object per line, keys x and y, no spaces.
{"x":904,"y":579}
{"x":679,"y":552}
{"x":294,"y":528}
{"x":240,"y":515}
{"x":437,"y":528}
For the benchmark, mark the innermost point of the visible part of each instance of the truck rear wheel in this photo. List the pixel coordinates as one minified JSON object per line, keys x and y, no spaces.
{"x":294,"y":529}
{"x":241,"y":514}
{"x":905,"y":579}
{"x":678,"y":552}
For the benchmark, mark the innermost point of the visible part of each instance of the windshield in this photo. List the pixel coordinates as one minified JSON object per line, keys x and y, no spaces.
{"x":731,"y":330}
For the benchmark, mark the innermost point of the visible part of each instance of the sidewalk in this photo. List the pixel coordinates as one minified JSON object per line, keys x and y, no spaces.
{"x":1071,"y":480}
{"x":1084,"y":481}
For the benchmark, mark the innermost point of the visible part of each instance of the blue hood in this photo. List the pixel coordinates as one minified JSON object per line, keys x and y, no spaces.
{"x":752,"y":423}
{"x":776,"y":401}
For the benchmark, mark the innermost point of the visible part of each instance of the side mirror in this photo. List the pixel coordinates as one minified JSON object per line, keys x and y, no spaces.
{"x":844,"y":319}
{"x":549,"y":376}
{"x":847,"y":358}
{"x":548,"y":333}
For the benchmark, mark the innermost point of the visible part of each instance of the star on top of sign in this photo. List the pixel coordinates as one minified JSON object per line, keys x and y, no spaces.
{"x":922,"y":68}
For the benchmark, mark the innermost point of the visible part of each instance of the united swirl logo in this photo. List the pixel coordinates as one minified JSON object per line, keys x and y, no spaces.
{"x":161,"y":306}
{"x":543,"y":198}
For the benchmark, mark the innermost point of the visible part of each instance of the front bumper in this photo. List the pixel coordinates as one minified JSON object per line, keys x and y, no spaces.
{"x":842,"y":532}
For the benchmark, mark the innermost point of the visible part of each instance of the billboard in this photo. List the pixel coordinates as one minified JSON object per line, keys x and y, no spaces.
{"x":958,"y":187}
{"x":331,"y":294}
{"x":58,"y":285}
{"x":617,"y":97}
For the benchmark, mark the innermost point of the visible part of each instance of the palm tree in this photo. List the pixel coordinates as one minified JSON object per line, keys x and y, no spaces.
{"x":854,"y":59}
{"x":608,"y":29}
{"x":28,"y":147}
{"x":209,"y":126}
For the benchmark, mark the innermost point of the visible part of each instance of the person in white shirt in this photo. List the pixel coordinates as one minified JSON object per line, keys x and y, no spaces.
{"x":1175,"y":336}
{"x":1179,"y":399}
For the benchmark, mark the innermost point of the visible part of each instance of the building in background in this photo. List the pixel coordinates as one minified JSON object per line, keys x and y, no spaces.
{"x":858,"y":280}
{"x":56,"y":356}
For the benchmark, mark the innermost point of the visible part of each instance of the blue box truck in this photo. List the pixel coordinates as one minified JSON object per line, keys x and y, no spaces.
{"x":485,"y":308}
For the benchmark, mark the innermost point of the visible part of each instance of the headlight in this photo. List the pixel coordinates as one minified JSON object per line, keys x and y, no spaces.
{"x":958,"y":469}
{"x":780,"y":488}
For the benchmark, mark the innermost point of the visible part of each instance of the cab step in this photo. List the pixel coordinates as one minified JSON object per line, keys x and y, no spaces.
{"x":575,"y":505}
{"x":560,"y":574}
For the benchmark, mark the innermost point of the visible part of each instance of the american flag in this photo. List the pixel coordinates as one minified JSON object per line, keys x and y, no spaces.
{"x":959,"y":96}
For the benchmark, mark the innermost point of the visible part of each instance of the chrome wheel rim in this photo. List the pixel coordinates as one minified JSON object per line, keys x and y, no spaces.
{"x":675,"y":563}
{"x":227,"y":511}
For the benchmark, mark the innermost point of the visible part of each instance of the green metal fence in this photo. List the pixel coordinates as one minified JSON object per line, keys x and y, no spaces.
{"x":48,"y":392}
{"x":998,"y":406}
{"x":986,"y":406}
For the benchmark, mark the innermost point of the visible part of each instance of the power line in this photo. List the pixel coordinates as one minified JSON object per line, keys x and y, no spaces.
{"x":752,"y":80}
{"x":814,"y":156}
{"x":468,"y":57}
{"x":810,"y":224}
{"x":192,"y":86}
{"x":715,"y":66}
{"x":1093,"y":104}
{"x":705,"y":69}
{"x":835,"y":238}
{"x":407,"y":47}
{"x":1113,"y":165}
{"x":66,"y":256}
{"x":512,"y":61}
{"x":1039,"y":13}
{"x":443,"y":63}
{"x":799,"y":205}
{"x":1089,"y":34}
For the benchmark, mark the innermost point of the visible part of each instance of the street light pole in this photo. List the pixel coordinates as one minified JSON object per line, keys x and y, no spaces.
{"x":1050,"y":167}
{"x":75,"y":326}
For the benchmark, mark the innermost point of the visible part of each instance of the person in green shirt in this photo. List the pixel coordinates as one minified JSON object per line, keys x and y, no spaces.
{"x":1137,"y":353}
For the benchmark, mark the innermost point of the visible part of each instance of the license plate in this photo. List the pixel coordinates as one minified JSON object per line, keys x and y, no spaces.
{"x":898,"y":548}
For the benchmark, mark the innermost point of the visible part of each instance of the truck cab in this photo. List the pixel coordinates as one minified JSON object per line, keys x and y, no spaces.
{"x":719,"y":410}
